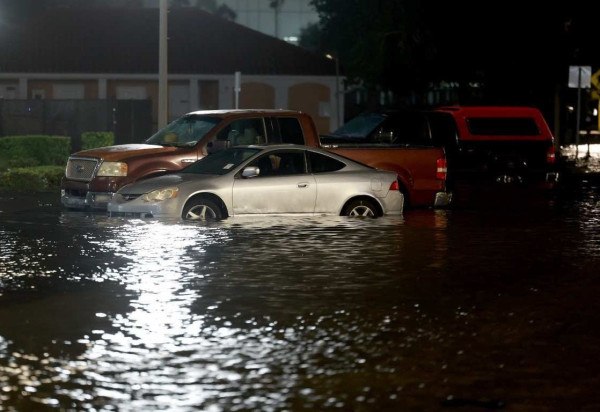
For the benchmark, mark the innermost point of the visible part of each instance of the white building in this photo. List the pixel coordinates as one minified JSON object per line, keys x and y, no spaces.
{"x":77,"y":54}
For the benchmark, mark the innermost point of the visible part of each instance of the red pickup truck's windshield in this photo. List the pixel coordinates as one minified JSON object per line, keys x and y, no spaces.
{"x":185,"y":131}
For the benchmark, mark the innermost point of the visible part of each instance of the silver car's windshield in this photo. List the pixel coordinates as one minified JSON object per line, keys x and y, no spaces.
{"x":185,"y":131}
{"x":221,"y":162}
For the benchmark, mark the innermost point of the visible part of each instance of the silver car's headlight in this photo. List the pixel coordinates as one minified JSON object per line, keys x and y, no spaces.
{"x":161,"y":194}
{"x":112,"y":169}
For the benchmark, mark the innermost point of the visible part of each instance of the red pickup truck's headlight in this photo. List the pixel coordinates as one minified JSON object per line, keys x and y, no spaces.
{"x":113,"y":169}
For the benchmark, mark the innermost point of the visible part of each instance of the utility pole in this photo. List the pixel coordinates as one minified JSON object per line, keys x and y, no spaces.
{"x":334,"y":57}
{"x":276,"y":6}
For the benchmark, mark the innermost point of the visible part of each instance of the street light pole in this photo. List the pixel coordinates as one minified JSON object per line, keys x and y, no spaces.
{"x":162,"y":67}
{"x":337,"y":87}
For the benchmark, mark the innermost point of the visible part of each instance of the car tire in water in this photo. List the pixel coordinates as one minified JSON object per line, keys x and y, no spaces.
{"x":361,"y":208}
{"x":202,"y":209}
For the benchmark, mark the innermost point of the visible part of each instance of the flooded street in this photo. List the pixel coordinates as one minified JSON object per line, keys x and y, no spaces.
{"x":491,"y":305}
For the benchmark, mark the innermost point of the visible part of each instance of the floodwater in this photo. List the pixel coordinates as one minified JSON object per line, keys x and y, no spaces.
{"x":492,"y":305}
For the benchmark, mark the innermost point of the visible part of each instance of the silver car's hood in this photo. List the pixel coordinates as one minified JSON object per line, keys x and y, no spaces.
{"x":148,"y":185}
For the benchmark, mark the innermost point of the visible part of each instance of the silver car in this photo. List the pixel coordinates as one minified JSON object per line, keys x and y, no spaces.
{"x":253,"y":180}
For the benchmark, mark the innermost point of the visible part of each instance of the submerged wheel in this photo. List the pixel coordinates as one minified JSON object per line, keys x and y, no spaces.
{"x":201,"y":209}
{"x":361,"y":208}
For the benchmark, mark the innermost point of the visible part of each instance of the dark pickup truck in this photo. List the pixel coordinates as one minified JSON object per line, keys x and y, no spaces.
{"x":502,"y":144}
{"x":488,"y":144}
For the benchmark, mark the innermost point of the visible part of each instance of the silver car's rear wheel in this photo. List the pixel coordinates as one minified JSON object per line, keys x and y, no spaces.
{"x":361,"y":208}
{"x":202,"y":209}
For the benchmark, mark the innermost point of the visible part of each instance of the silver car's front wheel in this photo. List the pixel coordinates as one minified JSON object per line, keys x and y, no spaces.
{"x":361,"y":208}
{"x":201,"y":209}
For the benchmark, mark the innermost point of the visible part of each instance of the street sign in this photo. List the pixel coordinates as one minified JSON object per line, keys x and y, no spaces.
{"x":580,"y":77}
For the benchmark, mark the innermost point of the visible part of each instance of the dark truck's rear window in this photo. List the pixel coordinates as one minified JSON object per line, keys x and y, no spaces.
{"x":503,"y":126}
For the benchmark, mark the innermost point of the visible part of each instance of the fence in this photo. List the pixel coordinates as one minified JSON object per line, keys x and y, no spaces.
{"x":129,"y":120}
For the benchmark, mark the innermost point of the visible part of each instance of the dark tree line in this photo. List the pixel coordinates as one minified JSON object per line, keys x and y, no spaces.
{"x":500,"y":52}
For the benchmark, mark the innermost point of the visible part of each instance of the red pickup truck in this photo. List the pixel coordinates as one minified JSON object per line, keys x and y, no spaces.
{"x":93,"y":176}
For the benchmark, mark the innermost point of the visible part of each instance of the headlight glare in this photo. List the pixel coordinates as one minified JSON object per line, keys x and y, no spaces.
{"x":161,"y":194}
{"x":112,"y":169}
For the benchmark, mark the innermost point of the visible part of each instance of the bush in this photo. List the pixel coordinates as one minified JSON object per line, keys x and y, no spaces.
{"x":33,"y":150}
{"x":32,"y":178}
{"x":23,"y":162}
{"x":92,"y":140}
{"x":37,"y":162}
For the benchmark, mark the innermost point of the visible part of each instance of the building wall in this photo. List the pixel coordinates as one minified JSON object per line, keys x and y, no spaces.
{"x":150,"y":86}
{"x":208,"y":95}
{"x":257,"y":95}
{"x":313,"y":99}
{"x":314,"y":95}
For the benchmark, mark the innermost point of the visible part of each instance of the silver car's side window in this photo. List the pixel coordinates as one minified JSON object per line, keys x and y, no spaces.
{"x":322,"y":164}
{"x":281,"y":163}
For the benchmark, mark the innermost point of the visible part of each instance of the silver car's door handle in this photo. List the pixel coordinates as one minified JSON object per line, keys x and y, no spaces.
{"x":302,"y":185}
{"x":188,"y":160}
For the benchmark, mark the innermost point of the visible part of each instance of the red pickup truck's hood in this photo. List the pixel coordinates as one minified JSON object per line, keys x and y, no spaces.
{"x":123,"y":151}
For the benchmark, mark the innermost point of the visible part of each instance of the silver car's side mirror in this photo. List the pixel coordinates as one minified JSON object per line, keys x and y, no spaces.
{"x":250,"y":171}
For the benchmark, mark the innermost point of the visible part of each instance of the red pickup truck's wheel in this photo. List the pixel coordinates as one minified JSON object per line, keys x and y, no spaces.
{"x":361,"y":208}
{"x":201,"y":209}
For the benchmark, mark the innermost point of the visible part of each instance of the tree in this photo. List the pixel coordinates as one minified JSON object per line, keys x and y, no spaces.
{"x":507,"y":50}
{"x":381,"y":44}
{"x":310,"y":38}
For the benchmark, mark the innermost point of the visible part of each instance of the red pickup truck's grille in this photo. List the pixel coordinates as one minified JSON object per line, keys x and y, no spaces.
{"x":81,"y":169}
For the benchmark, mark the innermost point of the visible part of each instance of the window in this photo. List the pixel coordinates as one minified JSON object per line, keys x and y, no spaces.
{"x":185,"y":131}
{"x":289,"y":131}
{"x":320,"y":163}
{"x":503,"y":126}
{"x":68,"y":91}
{"x":222,"y":162}
{"x":443,"y":130}
{"x":131,"y":93}
{"x":8,"y":92}
{"x":389,"y":128}
{"x":244,"y":132}
{"x":404,"y":129}
{"x":38,"y":94}
{"x":281,"y":163}
{"x":360,"y":126}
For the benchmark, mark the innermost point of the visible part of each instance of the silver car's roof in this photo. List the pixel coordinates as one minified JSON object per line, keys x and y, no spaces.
{"x":309,"y":148}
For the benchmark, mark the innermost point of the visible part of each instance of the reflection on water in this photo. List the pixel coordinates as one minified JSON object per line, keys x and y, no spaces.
{"x":475,"y":307}
{"x":583,"y":156}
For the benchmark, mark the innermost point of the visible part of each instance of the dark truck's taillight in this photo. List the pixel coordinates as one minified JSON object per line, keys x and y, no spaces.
{"x":551,"y":155}
{"x":441,"y":170}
